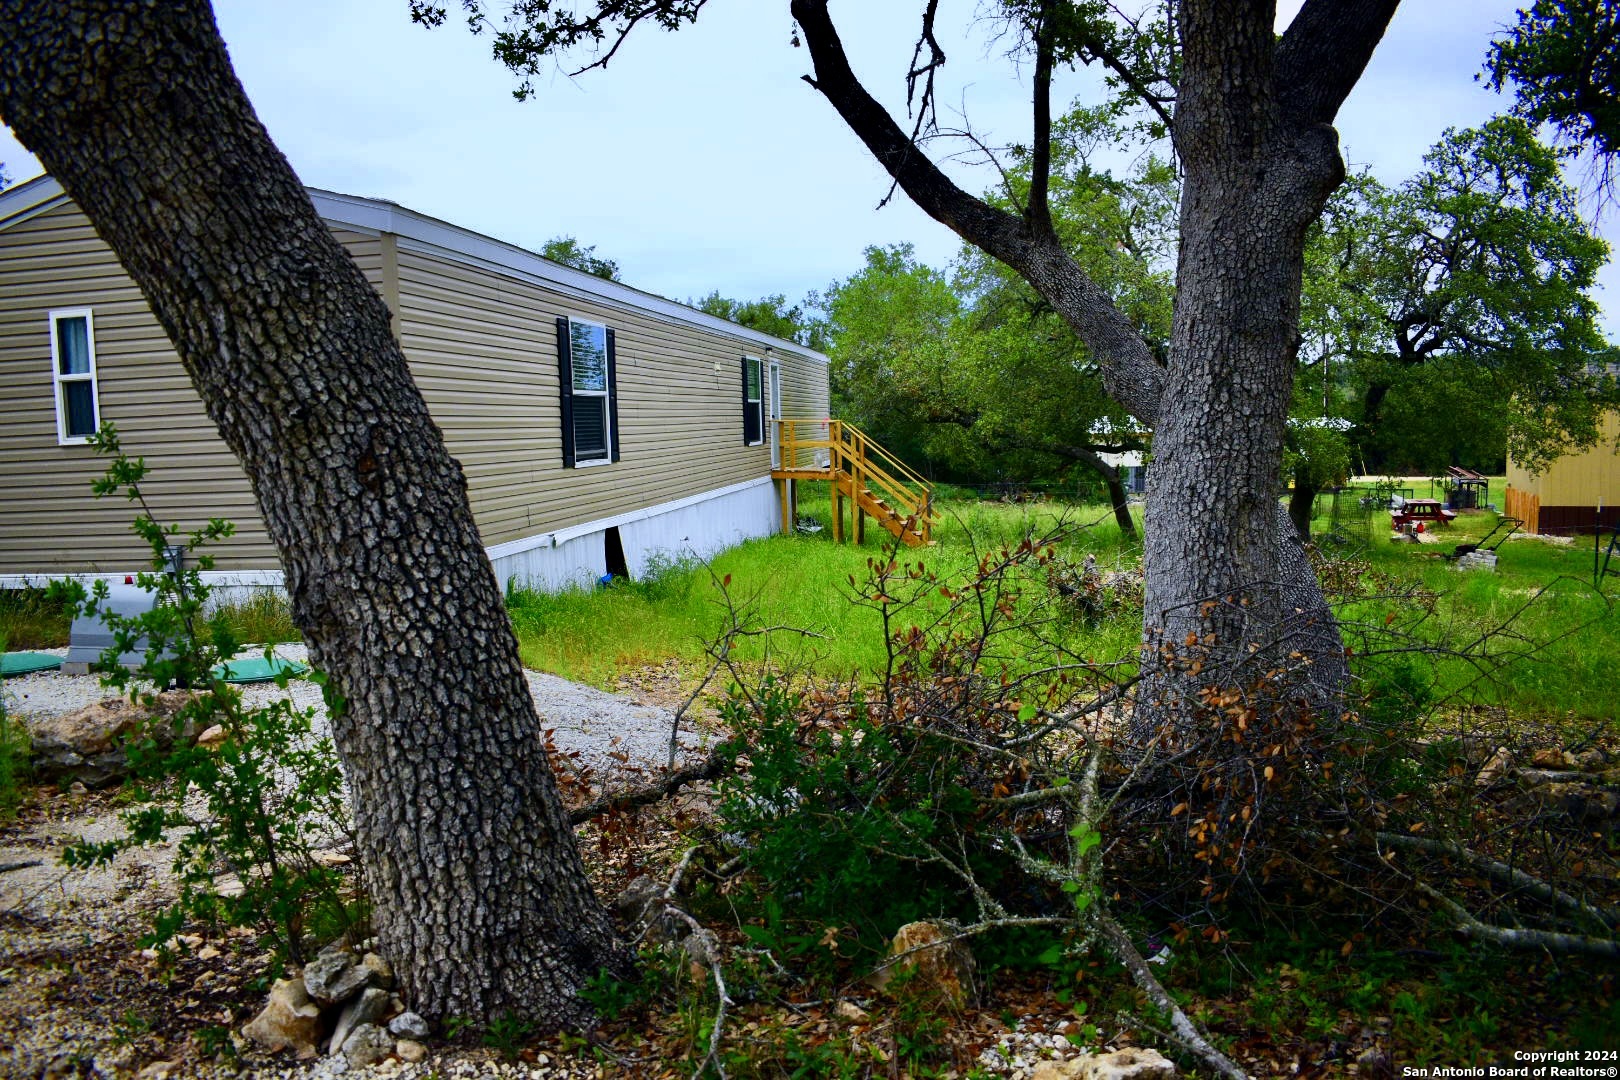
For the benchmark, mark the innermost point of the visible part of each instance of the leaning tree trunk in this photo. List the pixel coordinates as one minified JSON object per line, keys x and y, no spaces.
{"x":481,"y":901}
{"x":1115,"y":483}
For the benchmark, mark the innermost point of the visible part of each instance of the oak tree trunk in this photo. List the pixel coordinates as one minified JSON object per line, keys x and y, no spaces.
{"x":1252,"y":127}
{"x":481,"y":901}
{"x":1219,"y":542}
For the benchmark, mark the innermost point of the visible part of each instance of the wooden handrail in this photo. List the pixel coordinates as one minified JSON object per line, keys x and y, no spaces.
{"x":864,"y":467}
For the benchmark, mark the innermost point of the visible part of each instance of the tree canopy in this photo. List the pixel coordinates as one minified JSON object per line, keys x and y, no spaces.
{"x":1562,"y":60}
{"x":570,"y":252}
{"x":1453,"y":314}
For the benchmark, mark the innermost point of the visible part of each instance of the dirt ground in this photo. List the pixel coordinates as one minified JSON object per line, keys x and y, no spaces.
{"x":81,"y":997}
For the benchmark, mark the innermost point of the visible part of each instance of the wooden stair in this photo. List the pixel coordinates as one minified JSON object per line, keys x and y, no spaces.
{"x":858,"y":470}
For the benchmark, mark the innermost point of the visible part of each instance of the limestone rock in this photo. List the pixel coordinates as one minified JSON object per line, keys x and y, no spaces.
{"x":410,"y":1051}
{"x":211,"y":737}
{"x":159,"y":1070}
{"x":408,"y":1025}
{"x":334,"y":976}
{"x":1495,"y":768}
{"x":940,"y":966}
{"x":368,"y":1008}
{"x":382,"y":972}
{"x":1132,"y":1063}
{"x":289,"y":1021}
{"x":85,"y":746}
{"x":367,"y":1045}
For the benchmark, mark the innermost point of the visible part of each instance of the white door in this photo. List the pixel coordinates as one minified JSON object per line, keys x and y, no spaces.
{"x":775,"y":399}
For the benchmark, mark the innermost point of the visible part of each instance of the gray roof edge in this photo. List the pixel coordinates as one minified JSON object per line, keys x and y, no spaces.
{"x":29,"y":197}
{"x":378,"y":215}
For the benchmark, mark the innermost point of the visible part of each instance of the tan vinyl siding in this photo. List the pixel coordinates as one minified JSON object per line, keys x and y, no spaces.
{"x":49,"y":521}
{"x":484,"y":350}
{"x":482,"y":343}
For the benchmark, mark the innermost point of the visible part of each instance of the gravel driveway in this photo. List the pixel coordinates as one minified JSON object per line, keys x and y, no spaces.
{"x":590,"y":722}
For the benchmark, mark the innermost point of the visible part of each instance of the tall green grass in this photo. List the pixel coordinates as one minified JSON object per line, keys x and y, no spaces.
{"x":799,"y":581}
{"x":28,"y":621}
{"x":1548,"y":637}
{"x":1552,"y":638}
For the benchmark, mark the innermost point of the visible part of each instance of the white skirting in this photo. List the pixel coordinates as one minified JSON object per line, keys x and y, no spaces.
{"x":696,"y":527}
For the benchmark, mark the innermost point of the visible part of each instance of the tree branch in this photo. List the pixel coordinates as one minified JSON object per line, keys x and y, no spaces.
{"x":1039,"y":211}
{"x":1519,"y":937}
{"x":710,"y":767}
{"x":1501,"y":872}
{"x":1130,"y":372}
{"x":1119,"y":943}
{"x":1323,"y":53}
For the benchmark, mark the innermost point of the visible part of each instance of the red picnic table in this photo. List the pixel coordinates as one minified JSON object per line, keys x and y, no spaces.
{"x":1420,"y":511}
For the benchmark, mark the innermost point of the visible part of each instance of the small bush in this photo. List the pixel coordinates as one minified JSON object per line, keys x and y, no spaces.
{"x":270,"y":793}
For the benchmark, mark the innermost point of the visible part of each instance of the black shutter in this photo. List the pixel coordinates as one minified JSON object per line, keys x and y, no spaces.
{"x":751,"y":429}
{"x":565,"y":378}
{"x":613,"y":396}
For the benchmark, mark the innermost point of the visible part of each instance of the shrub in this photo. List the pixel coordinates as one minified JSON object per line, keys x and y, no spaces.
{"x":270,"y":793}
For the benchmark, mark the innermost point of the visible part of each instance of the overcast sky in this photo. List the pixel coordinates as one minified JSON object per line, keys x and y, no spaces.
{"x":699,"y":160}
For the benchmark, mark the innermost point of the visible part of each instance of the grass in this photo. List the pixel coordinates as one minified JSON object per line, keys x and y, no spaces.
{"x":799,"y":581}
{"x":28,"y":621}
{"x":1554,"y":634}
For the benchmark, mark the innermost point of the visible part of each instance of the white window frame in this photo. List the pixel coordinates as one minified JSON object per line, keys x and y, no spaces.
{"x":603,"y":394}
{"x":757,"y":403}
{"x":58,"y":380}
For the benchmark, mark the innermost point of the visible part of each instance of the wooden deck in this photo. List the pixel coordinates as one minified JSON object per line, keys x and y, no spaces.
{"x":859,"y":471}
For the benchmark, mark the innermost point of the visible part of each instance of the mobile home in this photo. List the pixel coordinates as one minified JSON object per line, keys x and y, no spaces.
{"x":600,"y":427}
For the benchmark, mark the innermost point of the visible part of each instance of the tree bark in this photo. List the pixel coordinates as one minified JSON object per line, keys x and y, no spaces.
{"x":1224,"y":567}
{"x":480,"y":898}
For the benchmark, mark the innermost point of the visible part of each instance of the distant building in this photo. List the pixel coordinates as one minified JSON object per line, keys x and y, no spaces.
{"x":1577,"y":493}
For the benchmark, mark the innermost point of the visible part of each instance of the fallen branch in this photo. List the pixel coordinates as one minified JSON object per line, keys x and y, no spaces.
{"x":717,"y":763}
{"x":1185,"y":1032}
{"x":1522,"y":937}
{"x":1502,"y":872}
{"x":6,"y":868}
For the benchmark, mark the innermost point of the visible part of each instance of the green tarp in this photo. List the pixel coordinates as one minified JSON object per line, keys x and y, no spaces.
{"x":257,"y":670}
{"x":26,"y":663}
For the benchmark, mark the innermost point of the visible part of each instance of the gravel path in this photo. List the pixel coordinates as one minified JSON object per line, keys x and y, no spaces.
{"x":583,"y":720}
